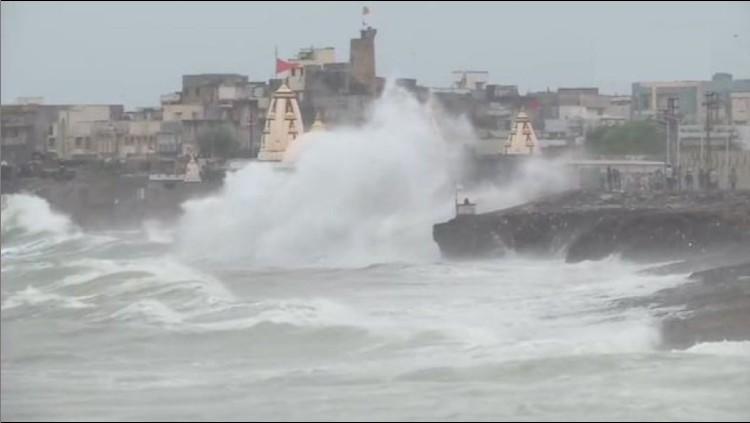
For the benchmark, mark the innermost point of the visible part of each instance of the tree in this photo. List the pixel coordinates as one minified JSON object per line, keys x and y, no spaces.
{"x":636,"y":138}
{"x":217,"y":142}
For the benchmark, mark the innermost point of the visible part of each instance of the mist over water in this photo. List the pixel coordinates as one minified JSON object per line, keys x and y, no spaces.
{"x":318,"y":294}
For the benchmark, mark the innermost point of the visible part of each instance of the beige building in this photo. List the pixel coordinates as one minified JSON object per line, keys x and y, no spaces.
{"x":140,"y":140}
{"x":124,"y":139}
{"x":740,"y":108}
{"x":283,"y":125}
{"x":72,"y":135}
{"x":180,"y":112}
{"x":522,"y":139}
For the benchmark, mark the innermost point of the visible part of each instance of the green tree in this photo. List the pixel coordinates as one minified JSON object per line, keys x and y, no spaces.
{"x":636,"y":138}
{"x":217,"y":142}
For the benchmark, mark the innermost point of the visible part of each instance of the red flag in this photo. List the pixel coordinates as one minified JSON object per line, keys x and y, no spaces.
{"x":283,"y":65}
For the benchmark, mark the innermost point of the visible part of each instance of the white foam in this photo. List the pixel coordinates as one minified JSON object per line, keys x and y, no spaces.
{"x":33,"y":215}
{"x":32,"y":297}
{"x":157,"y":232}
{"x":159,"y":271}
{"x":724,"y":348}
{"x":149,"y":310}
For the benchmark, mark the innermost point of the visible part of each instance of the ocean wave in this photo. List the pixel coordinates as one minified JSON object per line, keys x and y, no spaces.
{"x":724,"y":348}
{"x":25,"y":214}
{"x":34,"y":297}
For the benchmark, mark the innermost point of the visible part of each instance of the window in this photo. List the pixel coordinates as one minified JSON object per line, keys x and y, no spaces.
{"x":51,"y":141}
{"x":88,"y":142}
{"x":79,"y":142}
{"x":51,"y":130}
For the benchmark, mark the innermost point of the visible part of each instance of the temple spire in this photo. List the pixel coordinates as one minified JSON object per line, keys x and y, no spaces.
{"x":522,"y":139}
{"x":283,"y":125}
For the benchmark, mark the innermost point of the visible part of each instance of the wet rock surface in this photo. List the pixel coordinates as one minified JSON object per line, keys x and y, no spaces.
{"x":714,"y":305}
{"x":705,"y":235}
{"x":590,"y":226}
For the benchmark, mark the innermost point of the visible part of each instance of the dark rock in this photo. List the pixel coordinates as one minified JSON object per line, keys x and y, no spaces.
{"x":591,"y":226}
{"x":713,"y":306}
{"x":707,"y":233}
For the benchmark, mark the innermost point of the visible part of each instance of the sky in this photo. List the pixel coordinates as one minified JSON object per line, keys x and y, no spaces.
{"x":131,"y":53}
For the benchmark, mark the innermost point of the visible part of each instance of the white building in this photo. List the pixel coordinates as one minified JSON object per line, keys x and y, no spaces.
{"x":283,"y":125}
{"x":522,"y":139}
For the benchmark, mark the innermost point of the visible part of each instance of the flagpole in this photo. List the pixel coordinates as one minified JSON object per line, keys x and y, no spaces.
{"x":275,"y":61}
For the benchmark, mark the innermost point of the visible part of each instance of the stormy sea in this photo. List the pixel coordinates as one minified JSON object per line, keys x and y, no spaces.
{"x":319,"y":294}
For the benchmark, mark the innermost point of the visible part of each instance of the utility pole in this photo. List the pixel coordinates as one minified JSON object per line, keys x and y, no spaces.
{"x":712,"y":107}
{"x":251,"y":125}
{"x":671,"y":118}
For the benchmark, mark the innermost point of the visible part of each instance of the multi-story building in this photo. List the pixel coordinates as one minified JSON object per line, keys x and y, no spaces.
{"x":73,"y":134}
{"x":26,"y":128}
{"x":649,"y":99}
{"x":210,"y":101}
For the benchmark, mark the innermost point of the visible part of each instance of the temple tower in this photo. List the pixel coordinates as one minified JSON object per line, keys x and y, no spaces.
{"x":522,"y":139}
{"x":283,"y":125}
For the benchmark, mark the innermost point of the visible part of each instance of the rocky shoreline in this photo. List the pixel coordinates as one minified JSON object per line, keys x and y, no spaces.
{"x":704,"y":234}
{"x":585,"y":225}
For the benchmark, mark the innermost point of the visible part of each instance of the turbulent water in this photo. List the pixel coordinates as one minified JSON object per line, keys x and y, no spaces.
{"x":318,"y":294}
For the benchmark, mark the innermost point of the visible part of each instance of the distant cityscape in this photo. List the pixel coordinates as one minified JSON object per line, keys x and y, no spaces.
{"x":340,"y":92}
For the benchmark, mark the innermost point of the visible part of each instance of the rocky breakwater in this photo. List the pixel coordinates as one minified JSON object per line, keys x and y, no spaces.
{"x":589,"y":226}
{"x":705,"y":235}
{"x":713,"y":305}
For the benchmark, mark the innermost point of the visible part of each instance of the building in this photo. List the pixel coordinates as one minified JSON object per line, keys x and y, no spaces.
{"x":211,"y":101}
{"x":341,"y":92}
{"x":740,"y":108}
{"x":693,"y":137}
{"x":26,"y":128}
{"x":140,"y":139}
{"x":590,"y":108}
{"x":470,"y":79}
{"x":73,"y":136}
{"x":295,"y":76}
{"x":283,"y":125}
{"x":362,"y":60}
{"x":522,"y":139}
{"x":650,"y":98}
{"x":204,"y":88}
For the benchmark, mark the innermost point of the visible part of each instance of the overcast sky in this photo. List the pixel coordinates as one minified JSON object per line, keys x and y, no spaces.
{"x":131,"y":53}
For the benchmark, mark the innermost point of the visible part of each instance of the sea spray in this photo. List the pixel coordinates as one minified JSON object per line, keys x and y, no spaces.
{"x":356,"y":195}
